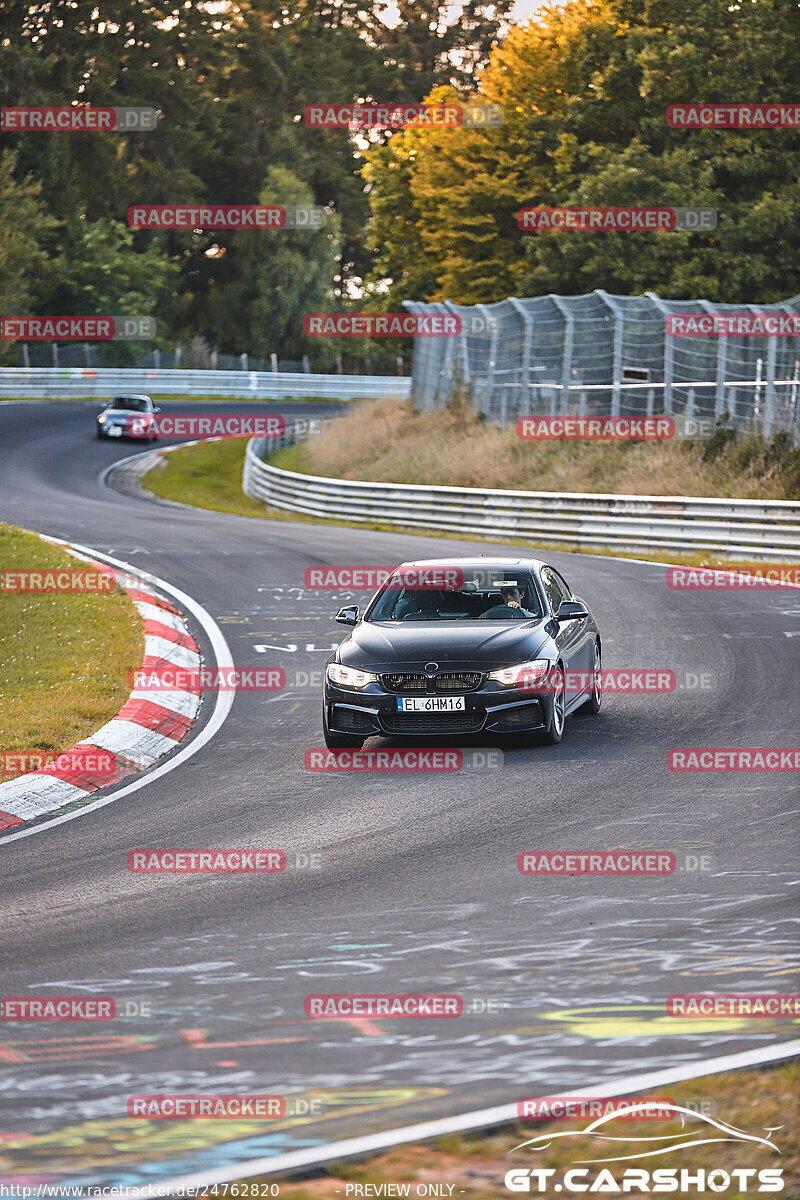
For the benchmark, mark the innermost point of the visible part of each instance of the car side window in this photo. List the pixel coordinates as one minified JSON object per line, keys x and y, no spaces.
{"x":552,"y":589}
{"x":562,"y":583}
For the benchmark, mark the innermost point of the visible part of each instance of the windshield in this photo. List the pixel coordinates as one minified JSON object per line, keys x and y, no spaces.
{"x":129,"y":404}
{"x":503,"y":596}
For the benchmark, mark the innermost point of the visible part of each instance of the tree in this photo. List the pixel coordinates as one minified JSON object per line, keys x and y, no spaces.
{"x":27,"y":273}
{"x":273,"y":278}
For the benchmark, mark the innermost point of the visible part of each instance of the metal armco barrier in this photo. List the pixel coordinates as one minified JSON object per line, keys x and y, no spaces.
{"x":41,"y":383}
{"x":749,"y":529}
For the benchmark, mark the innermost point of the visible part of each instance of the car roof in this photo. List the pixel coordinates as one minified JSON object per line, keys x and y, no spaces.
{"x":529,"y":563}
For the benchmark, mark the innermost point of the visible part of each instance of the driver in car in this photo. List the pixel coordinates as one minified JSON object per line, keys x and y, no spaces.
{"x":512,"y":599}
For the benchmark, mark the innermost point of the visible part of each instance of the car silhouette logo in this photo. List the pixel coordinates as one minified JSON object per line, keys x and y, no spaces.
{"x":430,"y":668}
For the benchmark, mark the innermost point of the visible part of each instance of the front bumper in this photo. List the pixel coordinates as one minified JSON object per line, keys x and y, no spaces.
{"x":373,"y":712}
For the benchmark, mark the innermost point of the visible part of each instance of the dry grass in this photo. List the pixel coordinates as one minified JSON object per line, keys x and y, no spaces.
{"x":476,"y":1163}
{"x":64,"y":659}
{"x":387,"y":440}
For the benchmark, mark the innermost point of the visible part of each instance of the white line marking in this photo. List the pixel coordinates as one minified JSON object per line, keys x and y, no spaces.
{"x":334,"y":1151}
{"x":224,"y":700}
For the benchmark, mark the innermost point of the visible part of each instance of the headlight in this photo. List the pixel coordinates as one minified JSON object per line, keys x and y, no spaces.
{"x":349,"y":676}
{"x":102,"y":418}
{"x":525,"y":676}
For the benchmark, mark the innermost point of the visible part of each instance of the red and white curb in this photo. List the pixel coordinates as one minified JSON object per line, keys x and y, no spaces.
{"x":143,"y":730}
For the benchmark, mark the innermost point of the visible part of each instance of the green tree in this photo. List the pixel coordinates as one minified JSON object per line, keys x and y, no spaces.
{"x":271,"y":279}
{"x":27,"y":272}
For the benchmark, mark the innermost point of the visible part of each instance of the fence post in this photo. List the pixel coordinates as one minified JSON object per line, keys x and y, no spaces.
{"x":489,"y":393}
{"x":619,"y":329}
{"x":243,"y":361}
{"x":722,"y":354}
{"x":55,"y":354}
{"x":446,"y":369}
{"x":769,"y":397}
{"x":273,"y":363}
{"x":399,"y":361}
{"x":669,"y":347}
{"x":213,"y":360}
{"x":26,"y":358}
{"x":177,"y":357}
{"x":527,"y":321}
{"x":157,"y":359}
{"x":306,"y":364}
{"x":569,"y":342}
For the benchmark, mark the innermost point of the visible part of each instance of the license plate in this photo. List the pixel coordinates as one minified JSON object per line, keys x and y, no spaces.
{"x":431,"y":704}
{"x":115,"y":431}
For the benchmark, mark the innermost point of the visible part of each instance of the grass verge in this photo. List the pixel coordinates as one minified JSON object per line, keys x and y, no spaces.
{"x":64,"y":659}
{"x":209,"y":475}
{"x":475,"y":1164}
{"x":390,"y":442}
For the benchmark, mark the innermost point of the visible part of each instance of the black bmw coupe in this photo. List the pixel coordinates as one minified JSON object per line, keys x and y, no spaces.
{"x":463,"y":646}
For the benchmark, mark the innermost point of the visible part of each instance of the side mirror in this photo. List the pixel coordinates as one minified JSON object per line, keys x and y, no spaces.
{"x":347,"y":615}
{"x":156,"y":408}
{"x":571,"y":610}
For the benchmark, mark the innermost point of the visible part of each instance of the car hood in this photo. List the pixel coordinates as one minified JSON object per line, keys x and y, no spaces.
{"x":477,"y":645}
{"x":121,"y":414}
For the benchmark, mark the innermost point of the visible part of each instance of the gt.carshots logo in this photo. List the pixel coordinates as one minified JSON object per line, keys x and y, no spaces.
{"x":56,"y":1008}
{"x":698,"y":1129}
{"x":343,"y":1005}
{"x":78,"y":118}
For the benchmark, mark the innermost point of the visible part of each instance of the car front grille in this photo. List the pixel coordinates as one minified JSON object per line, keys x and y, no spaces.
{"x":445,"y":681}
{"x":433,"y":723}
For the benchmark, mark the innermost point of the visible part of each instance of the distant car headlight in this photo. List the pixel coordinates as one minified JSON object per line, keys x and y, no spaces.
{"x":102,"y":419}
{"x":349,"y":677}
{"x":525,"y":676}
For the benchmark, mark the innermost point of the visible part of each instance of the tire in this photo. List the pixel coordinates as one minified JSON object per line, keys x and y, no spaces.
{"x":592,"y":705}
{"x":555,"y":730}
{"x":339,"y":741}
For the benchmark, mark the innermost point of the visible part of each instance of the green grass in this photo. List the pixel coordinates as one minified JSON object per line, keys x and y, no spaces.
{"x":209,"y":475}
{"x":64,"y":659}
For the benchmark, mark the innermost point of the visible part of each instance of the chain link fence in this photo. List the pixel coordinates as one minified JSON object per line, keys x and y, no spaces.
{"x":600,"y":354}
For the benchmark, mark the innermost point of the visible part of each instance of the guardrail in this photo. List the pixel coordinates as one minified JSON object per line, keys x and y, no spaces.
{"x":42,"y":383}
{"x":766,"y":530}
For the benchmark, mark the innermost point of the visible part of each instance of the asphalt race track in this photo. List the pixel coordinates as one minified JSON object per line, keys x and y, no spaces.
{"x":417,"y":888}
